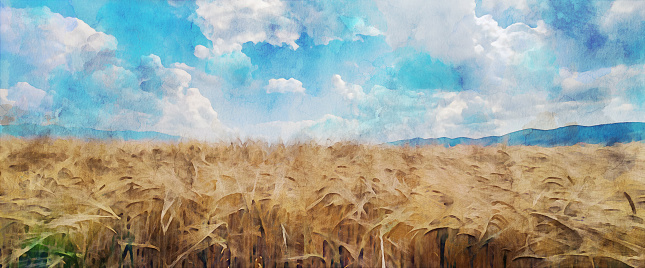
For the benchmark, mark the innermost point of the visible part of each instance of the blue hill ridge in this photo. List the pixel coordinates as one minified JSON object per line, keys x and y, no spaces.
{"x":606,"y":134}
{"x":56,"y":131}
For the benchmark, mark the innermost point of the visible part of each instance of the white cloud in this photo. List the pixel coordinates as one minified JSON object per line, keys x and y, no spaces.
{"x":415,"y":22}
{"x":495,"y":58}
{"x":593,"y":97}
{"x":589,"y":98}
{"x":201,"y":52}
{"x":623,"y":23}
{"x":185,"y":111}
{"x":231,"y":23}
{"x":183,"y":66}
{"x":173,"y":80}
{"x":453,"y":33}
{"x":325,"y":21}
{"x":389,"y":115}
{"x":282,"y":85}
{"x":622,"y":109}
{"x":5,"y":104}
{"x":3,"y":97}
{"x":191,"y":115}
{"x":347,"y":90}
{"x":22,"y":101}
{"x":26,"y":97}
{"x":616,"y":80}
{"x":623,"y":11}
{"x":466,"y":113}
{"x":47,"y":40}
{"x":451,"y":113}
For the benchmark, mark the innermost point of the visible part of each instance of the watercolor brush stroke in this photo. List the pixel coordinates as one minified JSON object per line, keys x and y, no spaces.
{"x":364,"y":133}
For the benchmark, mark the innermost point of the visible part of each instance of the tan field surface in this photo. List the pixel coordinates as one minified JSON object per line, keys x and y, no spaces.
{"x":66,"y":203}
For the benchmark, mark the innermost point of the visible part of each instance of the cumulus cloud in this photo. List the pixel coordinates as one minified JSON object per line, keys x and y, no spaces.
{"x":201,"y":52}
{"x":382,"y":115}
{"x":601,"y":96}
{"x":185,"y":111}
{"x":25,"y":96}
{"x":587,"y":98}
{"x":47,"y":40}
{"x":337,"y":20}
{"x":458,"y":114}
{"x":234,"y":67}
{"x":622,"y":25}
{"x":191,"y":115}
{"x":491,"y":57}
{"x":22,"y":101}
{"x":5,"y":107}
{"x":347,"y":90}
{"x":282,"y":85}
{"x":160,"y":80}
{"x":413,"y":22}
{"x":389,"y":115}
{"x":3,"y":97}
{"x":623,"y":12}
{"x":231,"y":23}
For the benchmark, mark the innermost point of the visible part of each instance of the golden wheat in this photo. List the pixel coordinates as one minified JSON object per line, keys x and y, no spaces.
{"x":145,"y":204}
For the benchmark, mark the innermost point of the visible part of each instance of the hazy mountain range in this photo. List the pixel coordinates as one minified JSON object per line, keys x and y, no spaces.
{"x":606,"y":134}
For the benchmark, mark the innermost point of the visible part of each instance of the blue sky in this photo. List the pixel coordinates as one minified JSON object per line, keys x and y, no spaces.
{"x":372,"y":71}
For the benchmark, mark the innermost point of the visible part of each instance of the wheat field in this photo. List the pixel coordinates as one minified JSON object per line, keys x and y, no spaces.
{"x":69,"y":203}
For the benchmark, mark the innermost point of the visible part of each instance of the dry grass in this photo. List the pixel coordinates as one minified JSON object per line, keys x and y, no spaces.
{"x":140,"y":204}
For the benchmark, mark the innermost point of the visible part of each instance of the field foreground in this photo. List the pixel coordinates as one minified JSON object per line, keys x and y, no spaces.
{"x":138,"y":204}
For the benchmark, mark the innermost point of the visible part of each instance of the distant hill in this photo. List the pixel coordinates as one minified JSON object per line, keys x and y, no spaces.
{"x":56,"y":131}
{"x":606,"y":134}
